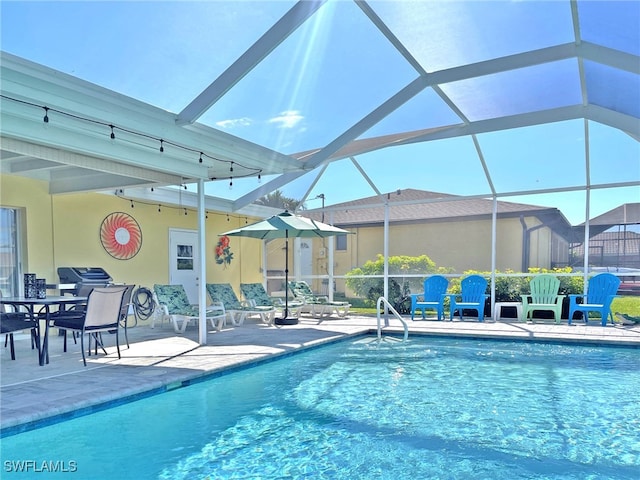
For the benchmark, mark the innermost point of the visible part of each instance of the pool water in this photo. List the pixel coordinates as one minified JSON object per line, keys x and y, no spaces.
{"x":429,"y":409}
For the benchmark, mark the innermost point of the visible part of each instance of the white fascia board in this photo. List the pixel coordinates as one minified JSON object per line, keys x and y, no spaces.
{"x":67,"y":157}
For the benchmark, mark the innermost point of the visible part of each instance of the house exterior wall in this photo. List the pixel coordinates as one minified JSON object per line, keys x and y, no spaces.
{"x":458,"y":245}
{"x":63,"y":230}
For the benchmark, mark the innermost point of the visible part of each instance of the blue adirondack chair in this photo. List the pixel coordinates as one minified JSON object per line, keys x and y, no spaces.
{"x":432,"y":298}
{"x":601,"y":291}
{"x":472,"y":297}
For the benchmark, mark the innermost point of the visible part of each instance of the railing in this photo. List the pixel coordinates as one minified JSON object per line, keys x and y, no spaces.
{"x":389,"y":307}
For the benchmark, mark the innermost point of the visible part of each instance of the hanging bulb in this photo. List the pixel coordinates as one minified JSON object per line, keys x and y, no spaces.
{"x":230,"y":183}
{"x":231,"y":168}
{"x":185,"y":186}
{"x":132,"y":205}
{"x":113,"y":135}
{"x":152,"y":189}
{"x":185,"y":211}
{"x":200,"y":160}
{"x":206,"y":215}
{"x":45,"y":120}
{"x":159,"y":208}
{"x":259,"y":178}
{"x":161,"y":147}
{"x":227,"y":217}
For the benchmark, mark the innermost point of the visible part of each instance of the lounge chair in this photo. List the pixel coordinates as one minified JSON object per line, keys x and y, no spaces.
{"x":102,"y":315}
{"x":471,"y":297}
{"x":237,"y":311}
{"x":174,"y":303}
{"x":256,"y":295}
{"x":317,"y":305}
{"x":435,"y":288}
{"x":543,"y":296}
{"x":601,"y":290}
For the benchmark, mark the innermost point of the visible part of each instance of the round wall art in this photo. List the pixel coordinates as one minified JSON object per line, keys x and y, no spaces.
{"x":121,"y":236}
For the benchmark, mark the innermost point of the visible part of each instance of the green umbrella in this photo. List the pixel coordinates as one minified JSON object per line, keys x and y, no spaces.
{"x":286,"y":225}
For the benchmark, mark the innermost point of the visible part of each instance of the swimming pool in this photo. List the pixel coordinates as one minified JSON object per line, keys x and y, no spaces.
{"x":430,"y":408}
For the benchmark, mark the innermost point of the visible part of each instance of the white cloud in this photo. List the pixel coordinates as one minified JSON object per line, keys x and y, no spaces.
{"x":234,"y":122}
{"x":287,"y":119}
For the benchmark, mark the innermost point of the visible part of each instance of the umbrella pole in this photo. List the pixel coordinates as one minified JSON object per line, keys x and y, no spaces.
{"x":285,"y":320}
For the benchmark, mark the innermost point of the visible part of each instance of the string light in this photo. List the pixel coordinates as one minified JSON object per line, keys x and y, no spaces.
{"x":184,"y":210}
{"x":230,"y":183}
{"x":250,"y":171}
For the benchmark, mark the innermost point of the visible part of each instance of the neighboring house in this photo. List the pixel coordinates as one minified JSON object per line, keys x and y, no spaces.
{"x":614,"y":239}
{"x":454,"y":233}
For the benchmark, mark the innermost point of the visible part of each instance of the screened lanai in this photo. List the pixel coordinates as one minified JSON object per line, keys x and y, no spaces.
{"x":535,"y":103}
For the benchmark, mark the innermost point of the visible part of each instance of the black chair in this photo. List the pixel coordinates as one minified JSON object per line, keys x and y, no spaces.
{"x":102,"y":314}
{"x":11,"y":322}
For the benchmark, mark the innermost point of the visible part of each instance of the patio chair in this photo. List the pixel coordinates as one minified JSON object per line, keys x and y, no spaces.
{"x":102,"y":314}
{"x":174,"y":304}
{"x":256,"y":295}
{"x":237,"y":311}
{"x":544,"y":296}
{"x":12,"y":322}
{"x":124,"y":310}
{"x":317,"y":305}
{"x":601,"y":290}
{"x":435,"y":288}
{"x":471,"y":297}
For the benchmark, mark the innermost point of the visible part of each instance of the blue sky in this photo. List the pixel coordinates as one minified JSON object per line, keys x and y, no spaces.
{"x":338,"y":68}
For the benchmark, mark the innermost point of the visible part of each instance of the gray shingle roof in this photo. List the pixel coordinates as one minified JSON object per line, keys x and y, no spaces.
{"x":406,"y":208}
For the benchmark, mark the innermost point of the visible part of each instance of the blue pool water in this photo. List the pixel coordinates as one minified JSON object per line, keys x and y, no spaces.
{"x":427,"y":409}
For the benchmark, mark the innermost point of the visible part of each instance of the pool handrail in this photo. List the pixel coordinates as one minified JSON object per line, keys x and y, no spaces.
{"x":382,"y":300}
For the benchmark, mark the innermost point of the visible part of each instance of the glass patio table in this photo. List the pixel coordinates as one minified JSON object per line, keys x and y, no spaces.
{"x":30,"y":305}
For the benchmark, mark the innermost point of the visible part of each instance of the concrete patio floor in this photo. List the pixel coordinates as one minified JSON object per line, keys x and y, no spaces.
{"x":159,"y":360}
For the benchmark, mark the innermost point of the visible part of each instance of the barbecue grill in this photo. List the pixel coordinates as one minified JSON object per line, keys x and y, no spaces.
{"x":84,"y":278}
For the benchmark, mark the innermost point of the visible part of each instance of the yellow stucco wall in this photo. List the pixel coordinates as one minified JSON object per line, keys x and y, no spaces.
{"x":63,"y":230}
{"x":458,"y":245}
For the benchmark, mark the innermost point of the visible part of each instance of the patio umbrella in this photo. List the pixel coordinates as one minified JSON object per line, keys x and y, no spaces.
{"x":286,"y":225}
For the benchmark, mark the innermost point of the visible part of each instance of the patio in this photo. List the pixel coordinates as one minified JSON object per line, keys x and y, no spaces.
{"x":159,"y":360}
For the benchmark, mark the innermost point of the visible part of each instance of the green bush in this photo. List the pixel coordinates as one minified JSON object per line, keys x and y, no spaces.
{"x":372,"y":288}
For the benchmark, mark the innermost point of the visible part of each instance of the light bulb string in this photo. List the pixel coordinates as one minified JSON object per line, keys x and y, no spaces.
{"x":113,"y":128}
{"x":160,"y":206}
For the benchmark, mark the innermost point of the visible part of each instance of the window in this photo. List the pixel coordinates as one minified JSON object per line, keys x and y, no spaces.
{"x":9,"y":251}
{"x":341,"y":242}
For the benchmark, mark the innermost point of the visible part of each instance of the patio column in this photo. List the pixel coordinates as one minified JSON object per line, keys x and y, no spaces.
{"x":202,"y":266}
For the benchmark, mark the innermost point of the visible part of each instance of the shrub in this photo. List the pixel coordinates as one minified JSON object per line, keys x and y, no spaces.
{"x":372,"y":288}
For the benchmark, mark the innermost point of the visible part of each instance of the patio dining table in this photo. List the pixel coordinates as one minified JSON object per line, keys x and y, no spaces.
{"x":30,"y":305}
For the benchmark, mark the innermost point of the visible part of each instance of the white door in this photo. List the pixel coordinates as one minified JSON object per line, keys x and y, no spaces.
{"x":184,"y":258}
